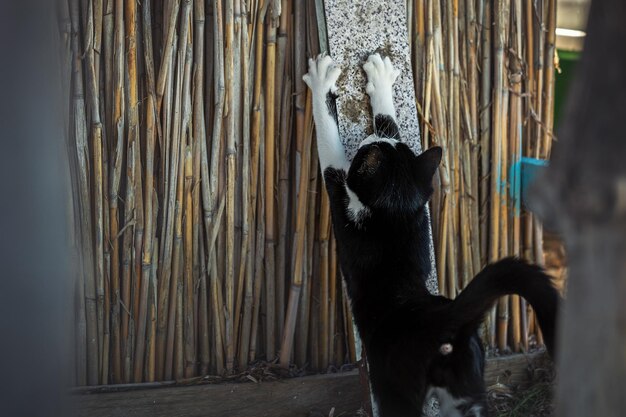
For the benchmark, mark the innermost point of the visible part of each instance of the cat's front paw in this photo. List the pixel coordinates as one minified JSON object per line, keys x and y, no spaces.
{"x":322,"y":75}
{"x":380,"y":74}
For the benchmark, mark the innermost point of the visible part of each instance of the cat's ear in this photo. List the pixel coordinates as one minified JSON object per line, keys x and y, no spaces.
{"x":427,"y":162}
{"x":371,"y":161}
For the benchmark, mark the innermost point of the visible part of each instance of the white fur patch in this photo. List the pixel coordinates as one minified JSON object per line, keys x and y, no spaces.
{"x":373,"y":139}
{"x":330,"y":151}
{"x":475,"y":411}
{"x":356,"y":210}
{"x":449,"y":405}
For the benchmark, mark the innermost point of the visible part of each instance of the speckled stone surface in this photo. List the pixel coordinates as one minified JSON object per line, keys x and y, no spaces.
{"x":355,"y":30}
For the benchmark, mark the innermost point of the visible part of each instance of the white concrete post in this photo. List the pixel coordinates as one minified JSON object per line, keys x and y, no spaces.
{"x":356,"y":29}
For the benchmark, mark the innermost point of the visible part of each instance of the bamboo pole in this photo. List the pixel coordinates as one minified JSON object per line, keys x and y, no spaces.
{"x":96,"y":144}
{"x":189,"y":284}
{"x":485,"y":128}
{"x":324,"y":231}
{"x":333,"y":279}
{"x":244,"y":286}
{"x":260,"y":239}
{"x":87,"y":289}
{"x":270,"y":117}
{"x":130,"y":216}
{"x":302,"y":327}
{"x":150,"y":367}
{"x":199,"y":134}
{"x":516,"y":129}
{"x":547,"y":115}
{"x":283,"y":116}
{"x":539,"y":68}
{"x":298,"y":239}
{"x":257,"y":169}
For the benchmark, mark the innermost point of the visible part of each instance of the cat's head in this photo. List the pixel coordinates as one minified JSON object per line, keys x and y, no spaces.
{"x":386,"y":175}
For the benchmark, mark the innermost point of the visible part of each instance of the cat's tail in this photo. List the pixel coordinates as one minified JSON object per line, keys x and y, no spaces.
{"x":508,"y":276}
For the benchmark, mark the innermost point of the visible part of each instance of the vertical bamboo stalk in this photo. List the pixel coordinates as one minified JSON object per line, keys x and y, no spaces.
{"x":503,"y":304}
{"x":247,"y":210}
{"x":216,"y":291}
{"x":515,"y":64}
{"x":485,"y":128}
{"x":528,"y":148}
{"x":81,"y":148}
{"x":175,"y":299}
{"x":257,"y":171}
{"x":324,"y":231}
{"x":147,"y":268}
{"x":114,"y":184}
{"x":270,"y":134}
{"x":283,"y":260}
{"x":169,"y":169}
{"x":299,"y":239}
{"x":501,"y":15}
{"x":150,"y":367}
{"x":303,"y":324}
{"x":185,"y":353}
{"x":283,"y":114}
{"x":106,"y":100}
{"x":547,"y":116}
{"x":96,"y":138}
{"x":539,"y":68}
{"x":175,"y":193}
{"x":473,"y":41}
{"x":203,"y":307}
{"x":172,"y":17}
{"x":231,"y":173}
{"x":132,"y":157}
{"x":332,"y":304}
{"x":260,"y":239}
{"x":189,"y":284}
{"x":209,"y":180}
{"x":199,"y":134}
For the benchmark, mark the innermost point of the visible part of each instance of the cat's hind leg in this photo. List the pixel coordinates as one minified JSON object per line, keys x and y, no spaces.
{"x":321,"y":79}
{"x":391,"y":403}
{"x":380,"y":78}
{"x":457,"y":379}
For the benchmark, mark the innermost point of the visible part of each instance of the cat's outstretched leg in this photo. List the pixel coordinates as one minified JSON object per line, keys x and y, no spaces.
{"x":321,"y":79}
{"x":380,"y":78}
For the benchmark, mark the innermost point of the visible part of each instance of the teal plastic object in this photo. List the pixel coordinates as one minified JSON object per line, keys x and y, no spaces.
{"x":529,"y":169}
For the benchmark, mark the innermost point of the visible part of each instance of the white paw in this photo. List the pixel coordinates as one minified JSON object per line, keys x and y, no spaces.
{"x":380,"y":74}
{"x":322,"y":75}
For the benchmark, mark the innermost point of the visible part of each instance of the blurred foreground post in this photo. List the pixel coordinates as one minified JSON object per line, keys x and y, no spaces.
{"x":584,"y":196}
{"x":34,"y":302}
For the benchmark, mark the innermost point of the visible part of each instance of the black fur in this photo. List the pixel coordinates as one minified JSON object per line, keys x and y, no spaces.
{"x":385,"y":127}
{"x":331,"y":104}
{"x":385,"y":260}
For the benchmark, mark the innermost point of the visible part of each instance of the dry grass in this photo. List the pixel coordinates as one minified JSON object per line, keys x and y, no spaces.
{"x":531,"y":400}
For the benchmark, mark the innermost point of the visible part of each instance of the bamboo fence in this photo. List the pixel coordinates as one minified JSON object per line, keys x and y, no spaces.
{"x":484,"y":74}
{"x":201,"y":228}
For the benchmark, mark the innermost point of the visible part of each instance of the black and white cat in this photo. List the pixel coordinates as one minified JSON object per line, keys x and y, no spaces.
{"x":417,"y":344}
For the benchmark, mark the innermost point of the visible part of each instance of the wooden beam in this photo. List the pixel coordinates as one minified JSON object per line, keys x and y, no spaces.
{"x":283,"y":398}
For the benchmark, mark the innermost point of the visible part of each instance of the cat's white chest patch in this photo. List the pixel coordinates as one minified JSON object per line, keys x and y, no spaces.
{"x":356,"y":210}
